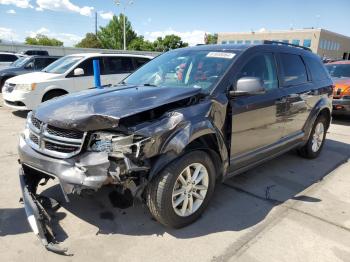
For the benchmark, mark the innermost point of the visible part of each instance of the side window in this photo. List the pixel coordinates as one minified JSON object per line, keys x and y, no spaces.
{"x":140,"y":61}
{"x":318,"y":71}
{"x":8,"y":58}
{"x":264,"y":67}
{"x":294,"y":71}
{"x":118,"y":65}
{"x":88,"y":66}
{"x":40,"y":63}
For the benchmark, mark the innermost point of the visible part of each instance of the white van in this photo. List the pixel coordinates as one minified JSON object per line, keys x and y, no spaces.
{"x":68,"y":74}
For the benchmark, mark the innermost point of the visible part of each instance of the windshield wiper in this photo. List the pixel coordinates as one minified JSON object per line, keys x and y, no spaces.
{"x":148,"y":84}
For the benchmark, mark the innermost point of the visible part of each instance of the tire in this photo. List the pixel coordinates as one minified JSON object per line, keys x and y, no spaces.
{"x":310,"y":150}
{"x":52,"y":94}
{"x":159,"y":194}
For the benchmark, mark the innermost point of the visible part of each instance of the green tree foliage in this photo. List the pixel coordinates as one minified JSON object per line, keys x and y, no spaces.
{"x":40,"y":39}
{"x":140,"y":44}
{"x":89,"y":41}
{"x":211,"y":39}
{"x":111,"y":36}
{"x":168,"y":42}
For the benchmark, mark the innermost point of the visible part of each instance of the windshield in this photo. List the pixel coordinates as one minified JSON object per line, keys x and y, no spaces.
{"x":61,"y":65}
{"x":183,"y":68}
{"x":20,"y":61}
{"x":339,"y":70}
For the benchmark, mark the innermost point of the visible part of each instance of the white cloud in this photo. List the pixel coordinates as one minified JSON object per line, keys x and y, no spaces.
{"x":18,"y":3}
{"x":106,"y":15}
{"x":66,"y":38}
{"x":11,"y":12}
{"x":63,"y":5}
{"x":191,"y":37}
{"x":7,"y":34}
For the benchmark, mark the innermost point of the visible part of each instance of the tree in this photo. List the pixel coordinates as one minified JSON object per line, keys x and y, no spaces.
{"x":168,"y":42}
{"x":111,"y":36}
{"x":89,"y":41}
{"x":40,"y":39}
{"x":211,"y":39}
{"x":140,"y":44}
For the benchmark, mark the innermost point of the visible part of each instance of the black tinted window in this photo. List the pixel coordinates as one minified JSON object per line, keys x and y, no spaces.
{"x":264,"y":67}
{"x":140,"y":61}
{"x":318,"y":71}
{"x":294,"y":70}
{"x":118,"y":65}
{"x":88,"y":67}
{"x":8,"y":58}
{"x":41,"y":63}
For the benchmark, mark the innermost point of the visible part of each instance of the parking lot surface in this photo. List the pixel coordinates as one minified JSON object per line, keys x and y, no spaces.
{"x":289,"y":209}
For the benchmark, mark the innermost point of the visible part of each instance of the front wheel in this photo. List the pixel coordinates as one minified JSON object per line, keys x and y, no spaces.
{"x":181,"y":192}
{"x":316,"y":139}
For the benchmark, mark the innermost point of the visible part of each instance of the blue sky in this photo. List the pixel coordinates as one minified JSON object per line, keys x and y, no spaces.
{"x":70,"y":20}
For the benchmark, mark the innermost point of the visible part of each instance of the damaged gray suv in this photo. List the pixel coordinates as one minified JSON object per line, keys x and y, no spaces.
{"x":174,"y":128}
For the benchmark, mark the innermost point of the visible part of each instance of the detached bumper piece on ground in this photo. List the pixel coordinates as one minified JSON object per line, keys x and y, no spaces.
{"x":38,"y":210}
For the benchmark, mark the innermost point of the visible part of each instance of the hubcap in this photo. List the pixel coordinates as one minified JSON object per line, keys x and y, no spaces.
{"x":190,"y":189}
{"x":317,"y":138}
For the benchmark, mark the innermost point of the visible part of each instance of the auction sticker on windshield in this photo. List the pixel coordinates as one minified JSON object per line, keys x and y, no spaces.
{"x":221,"y":55}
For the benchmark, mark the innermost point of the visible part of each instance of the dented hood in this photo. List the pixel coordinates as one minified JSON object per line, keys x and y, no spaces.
{"x":103,"y":108}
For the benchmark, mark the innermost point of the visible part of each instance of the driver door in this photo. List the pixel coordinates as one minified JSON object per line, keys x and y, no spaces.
{"x":256,"y":119}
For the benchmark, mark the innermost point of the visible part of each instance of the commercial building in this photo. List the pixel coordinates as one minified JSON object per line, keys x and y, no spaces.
{"x":325,"y":43}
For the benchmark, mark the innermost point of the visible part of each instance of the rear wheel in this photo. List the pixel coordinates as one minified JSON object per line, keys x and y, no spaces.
{"x":52,"y":94}
{"x":316,"y":140}
{"x":181,"y":192}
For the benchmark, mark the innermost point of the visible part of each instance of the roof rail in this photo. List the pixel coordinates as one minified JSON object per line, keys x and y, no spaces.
{"x":269,"y":42}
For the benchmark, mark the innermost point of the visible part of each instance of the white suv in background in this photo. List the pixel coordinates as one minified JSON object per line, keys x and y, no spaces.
{"x":68,"y":74}
{"x":6,"y":59}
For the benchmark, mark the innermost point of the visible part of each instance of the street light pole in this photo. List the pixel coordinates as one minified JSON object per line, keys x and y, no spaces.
{"x":124,"y":4}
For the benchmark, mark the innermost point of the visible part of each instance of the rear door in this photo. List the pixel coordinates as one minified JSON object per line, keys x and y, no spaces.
{"x":299,"y":94}
{"x":256,"y":119}
{"x":117,"y":68}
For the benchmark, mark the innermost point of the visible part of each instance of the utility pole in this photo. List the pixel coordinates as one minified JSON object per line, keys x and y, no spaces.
{"x":96,"y":23}
{"x":124,"y":5}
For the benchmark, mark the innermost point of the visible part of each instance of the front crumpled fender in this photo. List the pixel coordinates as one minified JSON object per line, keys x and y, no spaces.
{"x":187,"y":126}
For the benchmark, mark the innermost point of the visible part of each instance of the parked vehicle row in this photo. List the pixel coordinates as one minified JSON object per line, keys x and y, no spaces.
{"x":24,"y":65}
{"x":7,"y":59}
{"x":68,"y":74}
{"x":171,"y":130}
{"x":340,"y":73}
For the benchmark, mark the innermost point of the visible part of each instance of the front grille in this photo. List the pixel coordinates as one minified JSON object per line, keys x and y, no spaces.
{"x":60,"y":148}
{"x":53,"y":141}
{"x":64,"y":132}
{"x":36,"y":122}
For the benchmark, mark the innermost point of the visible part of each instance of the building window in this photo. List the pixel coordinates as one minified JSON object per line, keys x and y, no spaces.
{"x":223,"y":42}
{"x":231,"y":42}
{"x":307,"y":43}
{"x":248,"y":42}
{"x":295,"y":41}
{"x":239,"y":42}
{"x":256,"y":42}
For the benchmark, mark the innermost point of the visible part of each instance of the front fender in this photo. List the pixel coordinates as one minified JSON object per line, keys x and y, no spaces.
{"x":176,"y":144}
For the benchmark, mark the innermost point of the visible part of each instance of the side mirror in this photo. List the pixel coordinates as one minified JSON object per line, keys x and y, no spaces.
{"x":248,"y":86}
{"x":30,"y":65}
{"x":78,"y":72}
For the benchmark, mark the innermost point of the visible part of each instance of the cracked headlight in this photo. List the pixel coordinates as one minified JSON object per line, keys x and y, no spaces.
{"x":116,"y":144}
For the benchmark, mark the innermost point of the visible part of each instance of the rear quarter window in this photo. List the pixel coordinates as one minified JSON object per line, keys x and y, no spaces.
{"x":8,"y":58}
{"x":294,"y":70}
{"x":317,"y":69}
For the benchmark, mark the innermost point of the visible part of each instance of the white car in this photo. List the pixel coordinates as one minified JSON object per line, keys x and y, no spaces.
{"x":7,"y":59}
{"x":68,"y":74}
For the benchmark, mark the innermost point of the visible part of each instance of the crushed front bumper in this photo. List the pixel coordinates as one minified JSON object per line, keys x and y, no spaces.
{"x":38,"y":217}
